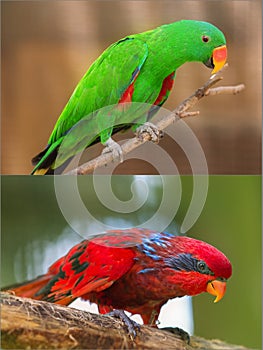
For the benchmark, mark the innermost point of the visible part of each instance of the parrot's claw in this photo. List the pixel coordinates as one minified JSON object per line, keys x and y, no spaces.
{"x":179,"y":332}
{"x":133,"y":327}
{"x":150,"y":129}
{"x":114,"y":148}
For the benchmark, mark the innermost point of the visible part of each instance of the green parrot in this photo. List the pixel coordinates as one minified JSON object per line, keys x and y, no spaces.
{"x":139,"y":68}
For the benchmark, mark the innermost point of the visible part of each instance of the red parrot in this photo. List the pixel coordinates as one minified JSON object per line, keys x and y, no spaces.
{"x":137,"y":270}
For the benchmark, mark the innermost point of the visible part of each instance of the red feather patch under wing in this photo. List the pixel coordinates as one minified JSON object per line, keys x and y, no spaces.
{"x":165,"y":90}
{"x":127,"y":95}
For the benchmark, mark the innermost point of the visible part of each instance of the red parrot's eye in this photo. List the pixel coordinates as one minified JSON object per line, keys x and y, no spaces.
{"x":205,"y":38}
{"x":203,"y":268}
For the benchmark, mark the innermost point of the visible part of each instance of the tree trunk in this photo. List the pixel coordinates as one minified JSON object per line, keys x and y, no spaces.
{"x":33,"y":324}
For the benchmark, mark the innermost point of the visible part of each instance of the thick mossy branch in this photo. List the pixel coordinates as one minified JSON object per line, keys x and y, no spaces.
{"x":32,"y":324}
{"x":182,"y":111}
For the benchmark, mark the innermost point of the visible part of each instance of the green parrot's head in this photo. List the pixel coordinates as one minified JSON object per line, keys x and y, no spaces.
{"x":203,"y":42}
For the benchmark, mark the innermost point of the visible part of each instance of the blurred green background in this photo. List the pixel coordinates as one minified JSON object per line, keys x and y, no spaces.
{"x":47,"y":46}
{"x":35,"y":233}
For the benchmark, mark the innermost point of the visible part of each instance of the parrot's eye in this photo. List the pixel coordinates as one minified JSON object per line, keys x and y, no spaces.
{"x":205,"y":38}
{"x":202,"y":267}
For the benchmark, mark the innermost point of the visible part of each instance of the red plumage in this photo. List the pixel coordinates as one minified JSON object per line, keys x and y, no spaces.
{"x":165,"y":90}
{"x":137,"y":270}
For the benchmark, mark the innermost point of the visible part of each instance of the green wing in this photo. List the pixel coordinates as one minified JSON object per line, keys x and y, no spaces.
{"x":103,"y":84}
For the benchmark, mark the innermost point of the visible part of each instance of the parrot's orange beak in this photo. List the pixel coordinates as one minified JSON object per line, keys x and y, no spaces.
{"x":216,"y":288}
{"x":219,"y":57}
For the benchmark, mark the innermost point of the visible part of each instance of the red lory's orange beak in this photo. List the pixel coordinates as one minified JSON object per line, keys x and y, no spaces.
{"x":216,"y":288}
{"x":219,"y":57}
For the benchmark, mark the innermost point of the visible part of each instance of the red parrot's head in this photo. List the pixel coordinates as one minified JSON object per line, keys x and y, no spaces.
{"x":198,"y":267}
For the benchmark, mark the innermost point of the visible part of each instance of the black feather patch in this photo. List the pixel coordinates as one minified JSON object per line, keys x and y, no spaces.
{"x":47,"y":288}
{"x":186,"y":262}
{"x":78,"y":267}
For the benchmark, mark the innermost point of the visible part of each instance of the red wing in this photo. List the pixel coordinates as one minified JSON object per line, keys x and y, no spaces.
{"x":90,"y":266}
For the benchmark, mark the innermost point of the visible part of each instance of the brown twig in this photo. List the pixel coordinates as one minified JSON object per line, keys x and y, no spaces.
{"x":226,"y":90}
{"x":180,"y":112}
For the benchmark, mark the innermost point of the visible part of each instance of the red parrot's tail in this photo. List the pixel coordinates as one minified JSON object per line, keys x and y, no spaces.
{"x":29,"y":289}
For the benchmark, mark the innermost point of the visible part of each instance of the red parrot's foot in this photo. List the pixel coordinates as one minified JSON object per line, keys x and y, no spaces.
{"x":179,"y":332}
{"x":150,"y":129}
{"x":132,"y":326}
{"x":114,"y":148}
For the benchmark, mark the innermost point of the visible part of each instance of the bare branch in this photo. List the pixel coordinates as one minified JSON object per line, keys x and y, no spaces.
{"x":180,"y":112}
{"x":34,"y":324}
{"x":227,"y":90}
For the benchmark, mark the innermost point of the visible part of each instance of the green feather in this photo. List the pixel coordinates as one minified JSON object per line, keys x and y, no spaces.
{"x":103,"y":84}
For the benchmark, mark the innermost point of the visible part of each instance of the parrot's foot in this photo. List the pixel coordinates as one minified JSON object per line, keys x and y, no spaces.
{"x":132,"y":326}
{"x":179,"y":332}
{"x":114,"y":148}
{"x":150,"y":129}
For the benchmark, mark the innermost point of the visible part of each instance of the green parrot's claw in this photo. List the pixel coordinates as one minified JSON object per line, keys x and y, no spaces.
{"x":114,"y":148}
{"x":150,"y":129}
